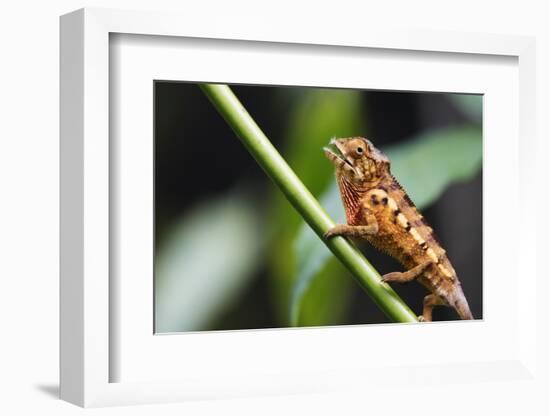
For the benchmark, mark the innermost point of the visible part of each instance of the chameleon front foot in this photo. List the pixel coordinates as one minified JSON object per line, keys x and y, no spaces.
{"x":351,"y":230}
{"x":335,"y":231}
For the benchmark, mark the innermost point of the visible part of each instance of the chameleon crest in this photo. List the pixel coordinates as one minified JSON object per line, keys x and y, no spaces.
{"x":379,"y":211}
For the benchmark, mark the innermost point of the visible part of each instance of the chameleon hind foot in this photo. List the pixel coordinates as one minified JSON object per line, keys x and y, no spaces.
{"x":408,"y":276}
{"x":429,"y":302}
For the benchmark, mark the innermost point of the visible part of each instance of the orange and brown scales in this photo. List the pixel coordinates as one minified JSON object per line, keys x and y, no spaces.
{"x":369,"y":191}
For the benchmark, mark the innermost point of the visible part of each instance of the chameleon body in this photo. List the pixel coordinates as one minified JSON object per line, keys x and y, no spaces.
{"x":379,"y":210}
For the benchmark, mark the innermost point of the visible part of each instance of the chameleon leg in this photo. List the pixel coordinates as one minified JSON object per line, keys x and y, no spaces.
{"x":409,"y":275}
{"x":370,"y":227}
{"x":429,"y":302}
{"x":351,"y":230}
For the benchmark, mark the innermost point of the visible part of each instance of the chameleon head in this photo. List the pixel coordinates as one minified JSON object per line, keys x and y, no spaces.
{"x":357,"y":159}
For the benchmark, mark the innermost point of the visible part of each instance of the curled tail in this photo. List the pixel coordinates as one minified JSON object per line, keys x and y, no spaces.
{"x":461,"y":304}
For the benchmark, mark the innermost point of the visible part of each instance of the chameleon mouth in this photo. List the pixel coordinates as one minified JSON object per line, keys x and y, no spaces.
{"x":334,"y":153}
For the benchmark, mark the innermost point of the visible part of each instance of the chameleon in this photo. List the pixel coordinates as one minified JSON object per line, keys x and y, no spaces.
{"x":379,"y":210}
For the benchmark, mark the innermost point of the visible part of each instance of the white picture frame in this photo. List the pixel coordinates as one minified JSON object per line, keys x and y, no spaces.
{"x":87,"y":354}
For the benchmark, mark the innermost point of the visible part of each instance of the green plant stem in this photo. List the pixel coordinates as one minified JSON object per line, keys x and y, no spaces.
{"x":309,"y":208}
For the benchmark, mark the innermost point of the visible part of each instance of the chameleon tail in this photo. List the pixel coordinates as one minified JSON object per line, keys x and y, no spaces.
{"x":461,"y":304}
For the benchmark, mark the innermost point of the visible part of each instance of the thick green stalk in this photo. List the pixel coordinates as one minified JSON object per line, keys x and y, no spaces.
{"x":284,"y":177}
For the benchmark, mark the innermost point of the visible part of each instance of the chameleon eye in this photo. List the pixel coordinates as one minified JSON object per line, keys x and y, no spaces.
{"x":359,"y":150}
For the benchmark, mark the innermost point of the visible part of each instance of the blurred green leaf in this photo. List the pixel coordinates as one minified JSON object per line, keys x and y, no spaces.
{"x":424,"y":166}
{"x":318,"y":115}
{"x":429,"y":163}
{"x":200,"y":269}
{"x":471,"y":105}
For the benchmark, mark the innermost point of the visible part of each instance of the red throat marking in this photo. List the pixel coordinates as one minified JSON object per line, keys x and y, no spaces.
{"x":351,"y":199}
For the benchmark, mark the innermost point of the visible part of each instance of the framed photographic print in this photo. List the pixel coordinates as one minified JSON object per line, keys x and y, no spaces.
{"x":266,"y":214}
